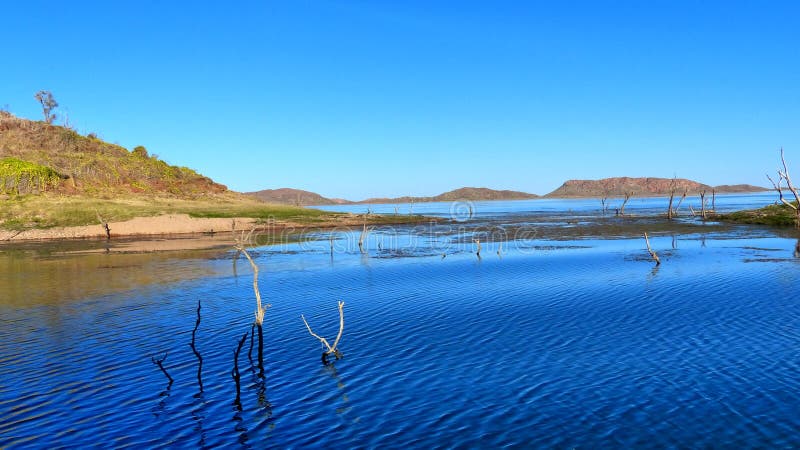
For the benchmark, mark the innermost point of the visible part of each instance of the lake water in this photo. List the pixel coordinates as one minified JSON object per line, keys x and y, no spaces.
{"x":568,"y":337}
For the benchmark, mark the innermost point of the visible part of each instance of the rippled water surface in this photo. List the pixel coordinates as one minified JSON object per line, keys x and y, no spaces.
{"x":551,"y":343}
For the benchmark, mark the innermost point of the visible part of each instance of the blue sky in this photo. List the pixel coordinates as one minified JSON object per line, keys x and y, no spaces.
{"x":356,"y":99}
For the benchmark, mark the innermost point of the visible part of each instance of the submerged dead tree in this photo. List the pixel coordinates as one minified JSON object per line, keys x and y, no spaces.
{"x":651,"y":251}
{"x":259,"y":313}
{"x":329,"y":349}
{"x":783,"y":175}
{"x":621,"y":210}
{"x":361,"y":238}
{"x":235,"y":373}
{"x":104,"y":224}
{"x":683,"y":197}
{"x":703,"y":204}
{"x":160,"y":363}
{"x":194,"y":349}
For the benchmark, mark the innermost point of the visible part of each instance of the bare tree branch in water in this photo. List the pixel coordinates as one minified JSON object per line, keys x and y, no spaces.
{"x":784,"y":175}
{"x":683,"y":197}
{"x":260,"y":309}
{"x":361,"y":238}
{"x":160,"y":363}
{"x":252,"y":335}
{"x":104,"y":224}
{"x":235,"y":373}
{"x":331,"y":349}
{"x":621,"y":210}
{"x":651,"y":251}
{"x":703,"y":204}
{"x":194,"y":349}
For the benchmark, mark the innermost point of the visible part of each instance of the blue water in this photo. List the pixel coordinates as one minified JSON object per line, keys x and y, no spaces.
{"x":550,"y":343}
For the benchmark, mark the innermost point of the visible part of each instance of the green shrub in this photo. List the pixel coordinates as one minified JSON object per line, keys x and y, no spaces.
{"x":140,"y":151}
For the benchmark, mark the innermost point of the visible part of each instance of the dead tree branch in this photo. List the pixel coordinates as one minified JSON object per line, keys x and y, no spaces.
{"x":160,"y":363}
{"x":361,"y":238}
{"x":259,"y":314}
{"x":194,"y":349}
{"x":703,"y":204}
{"x":235,"y":373}
{"x":784,"y":175}
{"x":651,"y":251}
{"x":331,"y":349}
{"x":621,"y":210}
{"x":104,"y":224}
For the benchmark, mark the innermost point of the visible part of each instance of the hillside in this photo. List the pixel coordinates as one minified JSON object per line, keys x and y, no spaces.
{"x":287,"y":196}
{"x":643,"y":187}
{"x":37,"y":157}
{"x":464,"y":193}
{"x":296,"y":197}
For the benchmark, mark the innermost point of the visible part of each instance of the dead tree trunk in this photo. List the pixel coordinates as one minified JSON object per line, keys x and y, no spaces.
{"x":784,"y":175}
{"x":362,"y":238}
{"x":235,"y":373}
{"x":683,"y":197}
{"x":331,"y":349}
{"x":651,"y":251}
{"x":260,"y":309}
{"x":669,"y":207}
{"x":703,"y":204}
{"x":621,"y":210}
{"x":713,"y":200}
{"x":194,"y":349}
{"x":104,"y":224}
{"x":160,"y":363}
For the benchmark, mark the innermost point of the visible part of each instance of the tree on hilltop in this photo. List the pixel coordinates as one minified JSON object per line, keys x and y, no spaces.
{"x":48,"y":105}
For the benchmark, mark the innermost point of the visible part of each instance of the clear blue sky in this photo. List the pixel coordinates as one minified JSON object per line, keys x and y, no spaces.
{"x":366,"y":98}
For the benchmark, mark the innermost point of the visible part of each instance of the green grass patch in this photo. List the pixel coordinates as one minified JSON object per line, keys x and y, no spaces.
{"x":773,"y":215}
{"x":18,"y":176}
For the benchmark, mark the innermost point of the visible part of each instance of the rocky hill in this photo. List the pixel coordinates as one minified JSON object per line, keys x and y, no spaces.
{"x":464,"y":193}
{"x":36,"y":157}
{"x":642,"y":187}
{"x":296,"y":197}
{"x":287,"y":196}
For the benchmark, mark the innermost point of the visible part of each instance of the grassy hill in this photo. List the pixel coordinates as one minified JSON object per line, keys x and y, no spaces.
{"x":37,"y":157}
{"x":52,"y":176}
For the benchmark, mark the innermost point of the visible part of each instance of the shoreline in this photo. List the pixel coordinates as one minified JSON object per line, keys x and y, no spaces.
{"x":183,"y":232}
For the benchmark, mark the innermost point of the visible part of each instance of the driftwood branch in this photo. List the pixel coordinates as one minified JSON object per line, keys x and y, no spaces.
{"x":651,"y":251}
{"x":331,"y":349}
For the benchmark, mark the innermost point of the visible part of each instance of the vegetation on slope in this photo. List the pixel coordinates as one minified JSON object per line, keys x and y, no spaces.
{"x":70,"y":163}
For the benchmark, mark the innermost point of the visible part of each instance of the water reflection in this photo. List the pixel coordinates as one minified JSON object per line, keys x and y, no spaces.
{"x":28,"y":279}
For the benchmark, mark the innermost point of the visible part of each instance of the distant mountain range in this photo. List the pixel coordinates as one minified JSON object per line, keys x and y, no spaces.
{"x":642,"y":187}
{"x":607,"y":187}
{"x":299,"y":197}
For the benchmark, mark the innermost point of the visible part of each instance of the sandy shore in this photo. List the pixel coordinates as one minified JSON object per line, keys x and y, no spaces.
{"x":172,"y":231}
{"x":139,"y":226}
